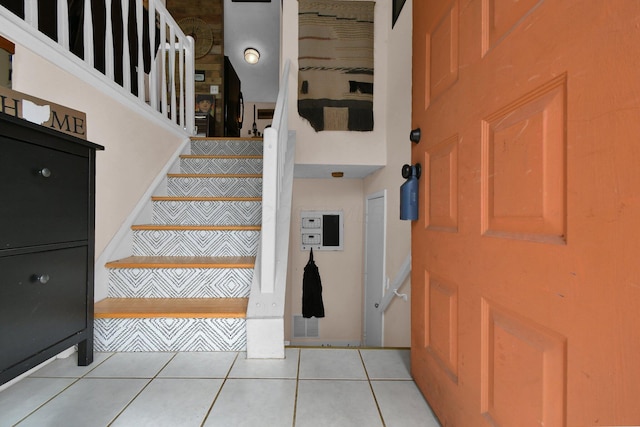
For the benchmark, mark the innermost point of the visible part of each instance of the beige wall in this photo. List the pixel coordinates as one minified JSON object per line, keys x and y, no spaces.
{"x":343,"y":272}
{"x":135,"y":149}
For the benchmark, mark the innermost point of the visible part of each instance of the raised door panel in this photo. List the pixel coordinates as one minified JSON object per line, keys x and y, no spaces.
{"x":524,"y":277}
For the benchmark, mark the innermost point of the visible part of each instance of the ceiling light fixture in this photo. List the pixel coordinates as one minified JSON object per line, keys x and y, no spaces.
{"x":251,"y":55}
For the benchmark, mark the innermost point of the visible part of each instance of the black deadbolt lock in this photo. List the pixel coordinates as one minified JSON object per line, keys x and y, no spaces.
{"x":414,"y":136}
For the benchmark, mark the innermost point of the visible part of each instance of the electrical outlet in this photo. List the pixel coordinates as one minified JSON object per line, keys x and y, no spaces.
{"x":213,"y":89}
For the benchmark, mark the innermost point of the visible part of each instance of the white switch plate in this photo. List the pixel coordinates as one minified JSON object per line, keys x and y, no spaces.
{"x":213,"y":89}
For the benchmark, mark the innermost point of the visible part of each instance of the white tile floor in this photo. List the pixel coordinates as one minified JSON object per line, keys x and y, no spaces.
{"x":311,"y":387}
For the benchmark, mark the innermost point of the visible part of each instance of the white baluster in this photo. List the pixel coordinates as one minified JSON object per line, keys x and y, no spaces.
{"x":108,"y":42}
{"x":172,"y":72}
{"x":63,"y":23}
{"x":153,"y":71}
{"x":181,"y":81}
{"x":126,"y":54}
{"x":31,"y":12}
{"x":87,"y":33}
{"x":189,"y":60}
{"x":140,"y":73}
{"x":163,"y":64}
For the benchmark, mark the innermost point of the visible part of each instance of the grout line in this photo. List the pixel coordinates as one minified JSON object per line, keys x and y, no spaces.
{"x":141,"y":390}
{"x":224,"y":381}
{"x":132,"y":399}
{"x":375,"y":399}
{"x":235,"y":359}
{"x":295,"y":397}
{"x":51,"y":398}
{"x":75,"y":380}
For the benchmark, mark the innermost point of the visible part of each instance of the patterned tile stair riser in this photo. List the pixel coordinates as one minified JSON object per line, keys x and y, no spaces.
{"x":215,"y":187}
{"x":196,"y":212}
{"x":170,"y":334}
{"x":214,"y":243}
{"x":216,"y":215}
{"x":210,"y":147}
{"x":180,"y":282}
{"x":223,"y":165}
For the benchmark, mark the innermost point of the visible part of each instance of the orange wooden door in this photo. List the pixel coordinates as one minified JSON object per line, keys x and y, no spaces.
{"x":526,"y":270}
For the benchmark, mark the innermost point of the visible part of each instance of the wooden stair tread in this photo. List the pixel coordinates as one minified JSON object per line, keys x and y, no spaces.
{"x":213,"y":175}
{"x":197,"y":227}
{"x":182,"y":262}
{"x":205,"y":199}
{"x":221,"y":156}
{"x":171,"y":307}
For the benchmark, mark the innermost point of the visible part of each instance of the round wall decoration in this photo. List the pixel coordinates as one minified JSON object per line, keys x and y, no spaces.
{"x":201,"y":33}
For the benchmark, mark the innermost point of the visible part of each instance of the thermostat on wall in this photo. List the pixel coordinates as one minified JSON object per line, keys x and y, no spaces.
{"x":322,"y":230}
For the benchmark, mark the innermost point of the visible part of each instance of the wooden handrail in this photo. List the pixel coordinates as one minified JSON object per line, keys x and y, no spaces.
{"x":7,"y":45}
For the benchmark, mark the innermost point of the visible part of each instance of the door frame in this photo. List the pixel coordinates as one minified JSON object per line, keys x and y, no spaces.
{"x":377,"y":195}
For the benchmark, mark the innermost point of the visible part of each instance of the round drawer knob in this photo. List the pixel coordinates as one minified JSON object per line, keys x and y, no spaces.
{"x":42,"y":278}
{"x":45,"y":172}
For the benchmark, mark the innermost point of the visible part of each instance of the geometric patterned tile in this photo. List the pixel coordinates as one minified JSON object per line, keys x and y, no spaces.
{"x":170,"y":334}
{"x":207,"y":212}
{"x":226,"y":147}
{"x":194,"y":334}
{"x":212,"y":243}
{"x":180,"y":282}
{"x":200,"y":165}
{"x":214,"y":187}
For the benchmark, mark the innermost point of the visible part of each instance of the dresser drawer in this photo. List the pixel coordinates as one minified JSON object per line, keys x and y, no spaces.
{"x":45,"y":195}
{"x":44,"y":296}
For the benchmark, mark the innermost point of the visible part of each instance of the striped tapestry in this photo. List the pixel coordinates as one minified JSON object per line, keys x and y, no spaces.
{"x":335,"y":63}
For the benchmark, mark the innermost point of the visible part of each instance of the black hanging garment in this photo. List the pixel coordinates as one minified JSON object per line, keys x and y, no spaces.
{"x":312,"y":290}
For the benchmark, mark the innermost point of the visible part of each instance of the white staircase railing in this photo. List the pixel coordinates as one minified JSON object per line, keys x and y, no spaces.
{"x":155,"y":61}
{"x":265,"y":314}
{"x":398,"y":282}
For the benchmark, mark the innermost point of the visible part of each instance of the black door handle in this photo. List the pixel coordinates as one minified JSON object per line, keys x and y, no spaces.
{"x":414,"y":136}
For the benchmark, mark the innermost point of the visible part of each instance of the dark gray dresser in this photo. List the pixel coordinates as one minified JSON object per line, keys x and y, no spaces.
{"x":46,"y":245}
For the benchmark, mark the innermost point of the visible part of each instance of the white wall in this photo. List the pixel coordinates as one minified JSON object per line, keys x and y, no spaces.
{"x":343,"y":272}
{"x":135,"y":149}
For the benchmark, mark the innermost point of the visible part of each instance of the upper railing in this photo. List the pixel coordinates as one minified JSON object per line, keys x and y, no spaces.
{"x":276,"y":196}
{"x":265,"y":313}
{"x":150,"y":59}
